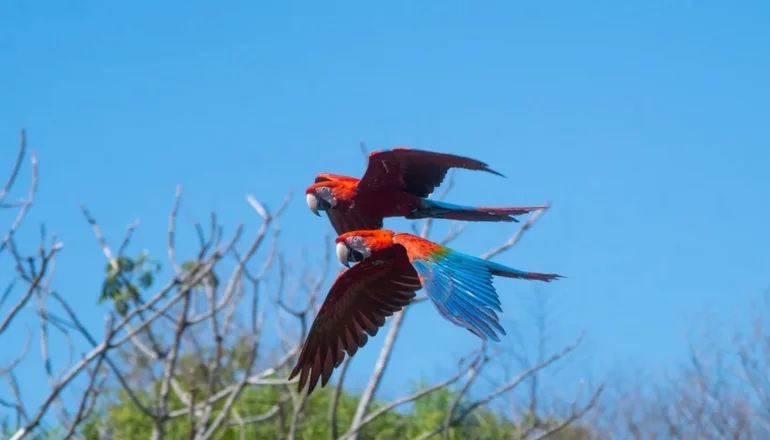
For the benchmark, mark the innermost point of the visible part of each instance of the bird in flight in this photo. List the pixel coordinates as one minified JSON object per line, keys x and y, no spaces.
{"x":389,"y":268}
{"x":397,"y":183}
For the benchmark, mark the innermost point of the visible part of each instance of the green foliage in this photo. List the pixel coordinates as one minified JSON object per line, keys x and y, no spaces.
{"x":126,"y":278}
{"x":427,"y":413}
{"x":128,"y":422}
{"x":431,"y":410}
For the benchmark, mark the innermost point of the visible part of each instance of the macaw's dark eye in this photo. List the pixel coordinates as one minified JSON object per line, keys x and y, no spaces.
{"x":355,"y":256}
{"x":323,"y":204}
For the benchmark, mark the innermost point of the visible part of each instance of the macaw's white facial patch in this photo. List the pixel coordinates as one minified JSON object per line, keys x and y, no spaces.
{"x":320,"y":200}
{"x":353,"y":250}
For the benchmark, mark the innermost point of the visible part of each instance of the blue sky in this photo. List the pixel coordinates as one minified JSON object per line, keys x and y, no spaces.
{"x":645,"y":124}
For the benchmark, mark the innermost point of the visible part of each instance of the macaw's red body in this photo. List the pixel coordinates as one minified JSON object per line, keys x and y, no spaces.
{"x":391,"y":268}
{"x":397,"y":183}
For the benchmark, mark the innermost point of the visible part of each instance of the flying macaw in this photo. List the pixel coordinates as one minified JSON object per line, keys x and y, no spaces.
{"x":391,"y":267}
{"x":396,"y":183}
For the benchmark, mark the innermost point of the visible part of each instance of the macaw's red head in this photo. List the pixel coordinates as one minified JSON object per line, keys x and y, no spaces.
{"x":325,"y":195}
{"x":355,"y":246}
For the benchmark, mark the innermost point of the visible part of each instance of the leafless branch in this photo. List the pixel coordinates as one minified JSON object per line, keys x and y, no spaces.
{"x":16,"y":167}
{"x":534,"y":217}
{"x":23,"y":205}
{"x":575,"y":414}
{"x":89,"y":397}
{"x":510,"y":385}
{"x":473,"y":373}
{"x":379,"y":371}
{"x":475,"y":363}
{"x":334,"y":407}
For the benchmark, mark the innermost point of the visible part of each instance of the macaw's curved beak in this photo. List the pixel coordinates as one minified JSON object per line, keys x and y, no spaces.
{"x":343,"y":253}
{"x":312,"y":203}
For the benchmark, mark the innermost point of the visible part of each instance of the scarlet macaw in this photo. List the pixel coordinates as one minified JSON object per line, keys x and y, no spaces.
{"x":396,"y":183}
{"x":391,"y":267}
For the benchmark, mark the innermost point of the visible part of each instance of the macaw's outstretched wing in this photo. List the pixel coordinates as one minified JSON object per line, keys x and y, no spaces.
{"x":352,"y":220}
{"x":462,"y":291}
{"x":460,"y":285}
{"x":357,"y":304}
{"x":418,"y":172}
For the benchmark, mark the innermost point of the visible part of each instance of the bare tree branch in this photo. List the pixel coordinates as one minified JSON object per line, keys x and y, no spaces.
{"x":534,"y":217}
{"x":513,"y":383}
{"x":334,"y":407}
{"x":16,"y":167}
{"x":475,"y":363}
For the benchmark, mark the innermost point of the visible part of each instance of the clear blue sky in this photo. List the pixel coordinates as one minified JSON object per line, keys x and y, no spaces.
{"x":645,"y":124}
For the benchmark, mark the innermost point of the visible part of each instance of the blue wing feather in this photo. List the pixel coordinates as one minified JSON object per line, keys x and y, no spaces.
{"x":450,"y":310}
{"x":475,"y":278}
{"x":461,"y":289}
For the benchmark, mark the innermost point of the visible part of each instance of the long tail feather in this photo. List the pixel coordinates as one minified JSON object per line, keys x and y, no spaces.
{"x":509,"y":272}
{"x":437,"y":209}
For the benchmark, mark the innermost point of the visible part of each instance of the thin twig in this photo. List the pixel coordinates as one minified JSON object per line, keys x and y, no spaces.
{"x":534,"y":217}
{"x":334,"y":406}
{"x":513,"y":383}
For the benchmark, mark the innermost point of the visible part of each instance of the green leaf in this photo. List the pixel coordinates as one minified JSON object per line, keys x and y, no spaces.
{"x":145,"y":280}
